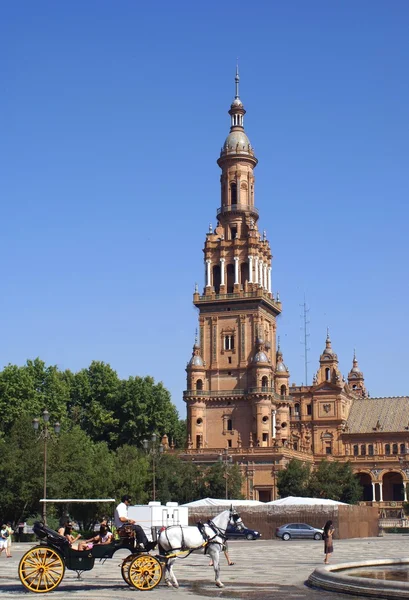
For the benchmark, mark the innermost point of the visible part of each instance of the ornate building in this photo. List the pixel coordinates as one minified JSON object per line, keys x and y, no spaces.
{"x":239,"y":400}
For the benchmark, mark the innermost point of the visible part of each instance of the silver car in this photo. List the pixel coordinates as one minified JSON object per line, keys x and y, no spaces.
{"x":299,"y":530}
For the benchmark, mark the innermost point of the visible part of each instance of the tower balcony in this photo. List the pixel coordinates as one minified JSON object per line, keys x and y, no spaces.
{"x":205,"y":394}
{"x":238,"y":208}
{"x":234,"y":297}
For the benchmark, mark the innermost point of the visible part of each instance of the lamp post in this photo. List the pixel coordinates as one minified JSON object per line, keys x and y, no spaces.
{"x":226,"y":460}
{"x":45,"y":434}
{"x":155,"y":450}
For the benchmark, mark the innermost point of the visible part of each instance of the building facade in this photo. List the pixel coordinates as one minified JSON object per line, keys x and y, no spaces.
{"x":240,"y":404}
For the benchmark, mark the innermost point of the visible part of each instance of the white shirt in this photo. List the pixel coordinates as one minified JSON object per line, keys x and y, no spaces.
{"x":120,"y":511}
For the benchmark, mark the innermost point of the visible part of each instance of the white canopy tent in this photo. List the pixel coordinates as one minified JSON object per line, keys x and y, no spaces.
{"x":222,"y":502}
{"x":298,"y":501}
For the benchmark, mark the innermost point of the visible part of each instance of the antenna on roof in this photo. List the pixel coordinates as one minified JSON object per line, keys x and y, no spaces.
{"x":306,"y":335}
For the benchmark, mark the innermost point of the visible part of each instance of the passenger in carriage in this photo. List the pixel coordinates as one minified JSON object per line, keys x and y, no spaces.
{"x":121,"y":521}
{"x":104,"y":537}
{"x":66,"y":530}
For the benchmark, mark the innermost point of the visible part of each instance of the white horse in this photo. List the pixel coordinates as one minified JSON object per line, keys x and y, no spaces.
{"x":208,"y":539}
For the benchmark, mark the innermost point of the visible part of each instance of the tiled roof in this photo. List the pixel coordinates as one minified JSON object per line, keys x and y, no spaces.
{"x":378,"y":414}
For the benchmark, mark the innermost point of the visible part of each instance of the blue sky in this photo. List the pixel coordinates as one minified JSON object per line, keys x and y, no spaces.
{"x":112,"y":118}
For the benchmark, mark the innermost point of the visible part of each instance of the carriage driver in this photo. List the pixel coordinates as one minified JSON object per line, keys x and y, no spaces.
{"x":121,"y":520}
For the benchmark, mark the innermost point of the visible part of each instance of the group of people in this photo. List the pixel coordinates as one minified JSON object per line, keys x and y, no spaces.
{"x":105,"y":535}
{"x":6,"y":532}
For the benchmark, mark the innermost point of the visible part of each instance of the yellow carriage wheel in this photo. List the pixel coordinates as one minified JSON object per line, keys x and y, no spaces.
{"x":41,"y":569}
{"x":145,"y":572}
{"x":126,"y":563}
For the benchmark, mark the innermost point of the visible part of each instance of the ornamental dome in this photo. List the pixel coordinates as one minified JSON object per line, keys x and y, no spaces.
{"x":260,"y":357}
{"x":281,"y":368}
{"x":237,"y":141}
{"x":196,"y":361}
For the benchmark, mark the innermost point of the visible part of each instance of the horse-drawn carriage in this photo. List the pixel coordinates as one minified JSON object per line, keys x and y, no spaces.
{"x":42,"y":568}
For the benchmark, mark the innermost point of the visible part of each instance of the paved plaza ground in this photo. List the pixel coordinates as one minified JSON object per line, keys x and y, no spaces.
{"x":264,"y":570}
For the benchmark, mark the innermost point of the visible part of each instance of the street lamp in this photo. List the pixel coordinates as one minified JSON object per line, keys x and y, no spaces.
{"x":226,"y":460}
{"x":155,"y":450}
{"x":45,"y":434}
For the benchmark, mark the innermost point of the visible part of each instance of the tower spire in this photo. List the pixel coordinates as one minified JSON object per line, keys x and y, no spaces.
{"x":237,"y":80}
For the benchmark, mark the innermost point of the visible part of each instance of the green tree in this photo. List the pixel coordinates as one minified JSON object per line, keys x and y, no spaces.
{"x":27,"y":390}
{"x":131,"y":474}
{"x":21,"y":468}
{"x":145,"y":407}
{"x":177,"y":481}
{"x":336,"y":481}
{"x":94,"y":398}
{"x":213,"y":481}
{"x":294,"y":479}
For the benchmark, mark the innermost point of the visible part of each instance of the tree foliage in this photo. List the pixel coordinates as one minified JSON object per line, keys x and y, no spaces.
{"x":334,"y":480}
{"x":294,"y":479}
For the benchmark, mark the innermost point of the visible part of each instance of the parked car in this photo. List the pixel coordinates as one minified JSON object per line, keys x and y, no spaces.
{"x":299,"y":530}
{"x":233,"y":532}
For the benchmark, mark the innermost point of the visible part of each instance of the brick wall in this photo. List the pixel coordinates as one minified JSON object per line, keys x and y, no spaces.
{"x":349,"y":521}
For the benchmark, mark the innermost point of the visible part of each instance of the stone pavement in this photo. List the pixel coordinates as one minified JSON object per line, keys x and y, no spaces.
{"x":264,"y":570}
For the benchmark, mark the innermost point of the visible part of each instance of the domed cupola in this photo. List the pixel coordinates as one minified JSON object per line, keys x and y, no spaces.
{"x":237,"y":142}
{"x":328,"y":370}
{"x":356,"y":378}
{"x":282,"y":374}
{"x":280,"y":366}
{"x":196,"y":369}
{"x":328,"y":351}
{"x":260,"y":356}
{"x":196,"y":360}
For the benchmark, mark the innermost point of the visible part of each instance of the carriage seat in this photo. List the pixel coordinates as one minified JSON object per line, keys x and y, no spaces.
{"x":46,"y":533}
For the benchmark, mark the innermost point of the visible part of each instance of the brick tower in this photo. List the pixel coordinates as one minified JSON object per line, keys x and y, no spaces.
{"x":232,"y":396}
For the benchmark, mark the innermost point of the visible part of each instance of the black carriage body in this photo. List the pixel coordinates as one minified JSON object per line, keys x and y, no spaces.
{"x":76,"y":560}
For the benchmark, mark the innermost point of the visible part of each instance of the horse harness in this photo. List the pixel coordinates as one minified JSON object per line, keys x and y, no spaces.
{"x":207,"y":540}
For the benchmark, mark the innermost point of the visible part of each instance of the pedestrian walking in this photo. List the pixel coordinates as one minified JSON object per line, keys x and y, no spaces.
{"x":327,"y":537}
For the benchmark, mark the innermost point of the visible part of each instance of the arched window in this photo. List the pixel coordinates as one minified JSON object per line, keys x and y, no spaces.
{"x":297,"y":410}
{"x":356,"y":450}
{"x":370,"y":449}
{"x":402,"y":449}
{"x":387,"y":448}
{"x":363,"y":450}
{"x":394,"y":448}
{"x":233,"y":193}
{"x":199,"y":384}
{"x":327,"y":374}
{"x":283,"y":390}
{"x":264,"y":382}
{"x":216,"y":278}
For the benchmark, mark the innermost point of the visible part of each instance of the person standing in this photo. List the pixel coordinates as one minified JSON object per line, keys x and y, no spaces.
{"x":327,"y":537}
{"x":121,"y":520}
{"x":8,"y":545}
{"x":3,"y":538}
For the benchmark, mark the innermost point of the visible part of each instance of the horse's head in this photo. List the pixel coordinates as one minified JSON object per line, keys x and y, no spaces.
{"x":235,"y":518}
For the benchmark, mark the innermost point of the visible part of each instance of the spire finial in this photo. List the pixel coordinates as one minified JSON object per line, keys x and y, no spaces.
{"x":196,"y":337}
{"x":278,"y":343}
{"x":237,"y":79}
{"x":328,"y":334}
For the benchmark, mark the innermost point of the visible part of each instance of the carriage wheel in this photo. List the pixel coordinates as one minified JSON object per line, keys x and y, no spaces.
{"x":126,"y":563}
{"x":41,"y":569}
{"x":145,"y":572}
